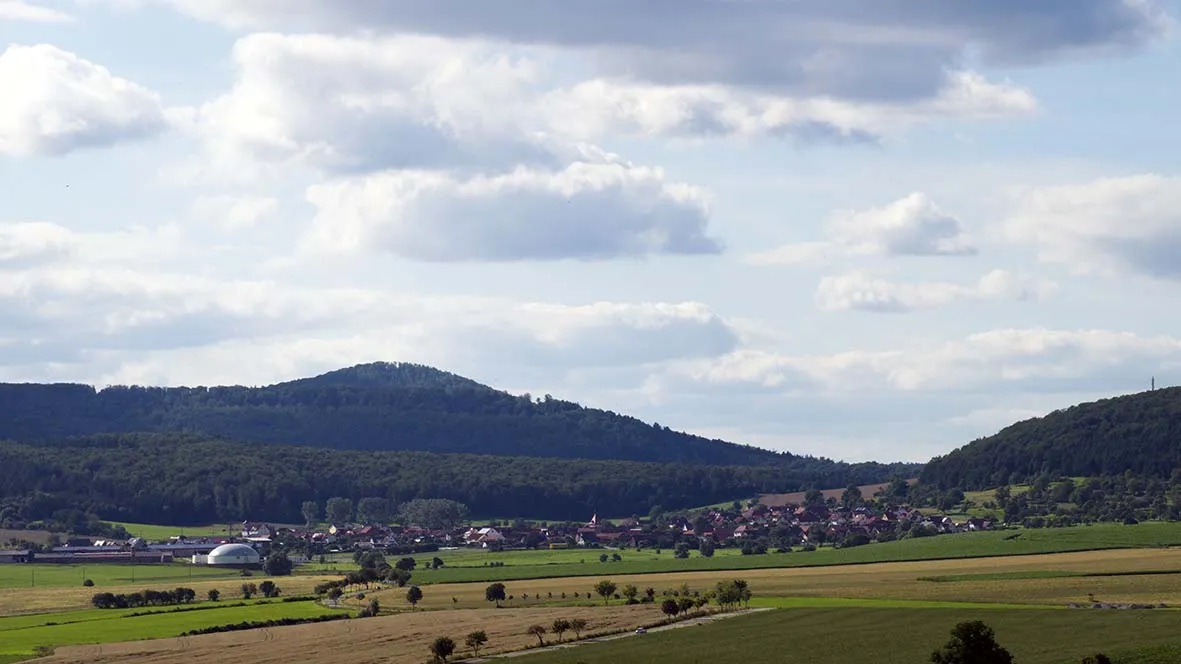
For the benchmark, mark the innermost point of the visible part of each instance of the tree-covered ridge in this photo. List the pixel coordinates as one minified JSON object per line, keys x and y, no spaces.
{"x":194,"y":479}
{"x":391,"y":374}
{"x":1140,"y":433}
{"x":369,"y":407}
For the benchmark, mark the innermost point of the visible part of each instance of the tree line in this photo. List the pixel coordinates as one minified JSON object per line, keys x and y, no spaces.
{"x":194,"y":479}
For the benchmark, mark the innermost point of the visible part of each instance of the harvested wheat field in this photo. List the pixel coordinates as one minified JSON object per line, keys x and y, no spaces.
{"x":397,"y":639}
{"x":1052,"y":579}
{"x":15,"y":601}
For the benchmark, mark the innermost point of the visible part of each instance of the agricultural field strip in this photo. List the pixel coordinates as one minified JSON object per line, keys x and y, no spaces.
{"x":165,"y":624}
{"x":898,"y":637}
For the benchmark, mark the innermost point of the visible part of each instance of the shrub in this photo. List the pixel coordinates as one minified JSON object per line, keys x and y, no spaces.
{"x":88,"y":583}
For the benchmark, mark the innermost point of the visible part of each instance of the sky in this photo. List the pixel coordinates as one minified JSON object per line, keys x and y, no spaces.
{"x":859,"y":229}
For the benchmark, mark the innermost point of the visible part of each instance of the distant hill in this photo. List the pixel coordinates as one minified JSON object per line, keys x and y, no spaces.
{"x":1140,"y":433}
{"x":379,"y":407}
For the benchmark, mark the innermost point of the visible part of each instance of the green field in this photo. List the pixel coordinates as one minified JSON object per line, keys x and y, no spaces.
{"x":19,"y":635}
{"x":156,"y":533}
{"x":891,"y":636}
{"x":467,"y":566}
{"x":168,"y":575}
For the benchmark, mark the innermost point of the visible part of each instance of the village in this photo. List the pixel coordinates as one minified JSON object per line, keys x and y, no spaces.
{"x":754,"y":529}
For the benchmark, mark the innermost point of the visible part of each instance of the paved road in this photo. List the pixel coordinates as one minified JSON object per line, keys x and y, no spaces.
{"x":612,"y":637}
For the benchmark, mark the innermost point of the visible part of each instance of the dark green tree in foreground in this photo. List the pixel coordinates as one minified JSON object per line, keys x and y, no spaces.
{"x":972,"y":642}
{"x":442,"y":648}
{"x":495,"y":593}
{"x":414,"y":596}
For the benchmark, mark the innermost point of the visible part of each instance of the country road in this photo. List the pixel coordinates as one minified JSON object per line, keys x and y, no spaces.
{"x":612,"y":637}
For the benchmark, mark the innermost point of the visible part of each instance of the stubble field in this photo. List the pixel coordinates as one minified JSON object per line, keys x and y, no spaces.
{"x":396,"y":639}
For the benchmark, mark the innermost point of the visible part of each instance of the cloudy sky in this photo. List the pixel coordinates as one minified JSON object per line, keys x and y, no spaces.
{"x":863,"y":229}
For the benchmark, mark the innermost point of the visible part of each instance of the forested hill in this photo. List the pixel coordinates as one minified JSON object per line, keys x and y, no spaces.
{"x":1140,"y":433}
{"x":368,"y":407}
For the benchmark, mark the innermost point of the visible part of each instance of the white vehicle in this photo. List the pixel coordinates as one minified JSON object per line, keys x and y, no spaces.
{"x":641,"y":630}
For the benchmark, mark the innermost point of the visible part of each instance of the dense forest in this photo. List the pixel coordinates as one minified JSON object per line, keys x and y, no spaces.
{"x":190,"y":479}
{"x":1140,"y":433}
{"x":378,"y":406}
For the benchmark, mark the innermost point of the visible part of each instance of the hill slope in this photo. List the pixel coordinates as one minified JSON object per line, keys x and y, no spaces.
{"x":1139,"y":432}
{"x":369,"y":407}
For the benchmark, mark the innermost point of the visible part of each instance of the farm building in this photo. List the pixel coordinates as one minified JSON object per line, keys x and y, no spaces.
{"x":229,"y":555}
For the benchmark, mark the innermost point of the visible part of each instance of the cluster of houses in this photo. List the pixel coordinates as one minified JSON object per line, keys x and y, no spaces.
{"x":798,"y":524}
{"x":789,"y":524}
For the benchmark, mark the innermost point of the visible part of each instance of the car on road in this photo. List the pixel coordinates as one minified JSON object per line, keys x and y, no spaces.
{"x":641,"y":630}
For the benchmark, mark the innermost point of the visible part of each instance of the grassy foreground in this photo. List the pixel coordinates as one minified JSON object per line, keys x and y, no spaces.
{"x":20,"y":635}
{"x":890,"y":636}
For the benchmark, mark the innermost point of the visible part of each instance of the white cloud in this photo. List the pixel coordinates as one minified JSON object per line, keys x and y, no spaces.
{"x":860,"y":292}
{"x":354,"y":104}
{"x":32,"y":242}
{"x":590,"y":210}
{"x":910,"y":226}
{"x":1031,"y":360}
{"x":112,"y":325}
{"x":841,"y":48}
{"x":1111,"y":225}
{"x":232,"y":213}
{"x":56,"y":102}
{"x":16,"y":10}
{"x":601,"y":107}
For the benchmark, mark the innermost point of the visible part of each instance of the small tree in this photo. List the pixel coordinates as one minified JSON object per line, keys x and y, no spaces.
{"x":406,"y":564}
{"x":476,"y":640}
{"x":335,"y":594}
{"x":577,"y":625}
{"x":972,"y":642}
{"x":436,"y":562}
{"x":214,"y":594}
{"x":268,"y":589}
{"x":630,"y":592}
{"x":442,"y":648}
{"x":414,"y":596}
{"x":1097,"y":658}
{"x":706,"y":548}
{"x":539,"y":632}
{"x":495,"y":593}
{"x":248,"y":590}
{"x":602,"y":557}
{"x":670,"y":607}
{"x":685,"y":603}
{"x":605,"y":589}
{"x":559,"y":627}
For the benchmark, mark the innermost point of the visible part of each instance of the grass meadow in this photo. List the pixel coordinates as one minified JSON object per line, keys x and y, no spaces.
{"x":106,"y":574}
{"x":890,"y":636}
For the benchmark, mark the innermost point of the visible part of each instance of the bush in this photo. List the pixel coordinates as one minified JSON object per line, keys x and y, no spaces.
{"x":88,"y":583}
